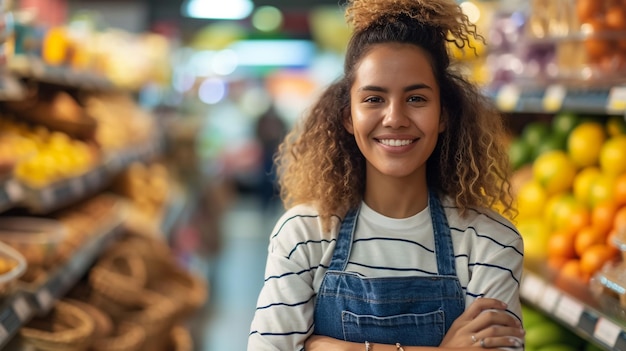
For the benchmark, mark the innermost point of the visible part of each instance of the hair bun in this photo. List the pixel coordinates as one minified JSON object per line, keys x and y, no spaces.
{"x":444,"y":14}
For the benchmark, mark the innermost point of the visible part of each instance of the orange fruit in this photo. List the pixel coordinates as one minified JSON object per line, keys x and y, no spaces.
{"x":612,"y":157}
{"x":595,"y":257}
{"x":570,"y":270}
{"x":556,"y":263}
{"x":619,"y":192}
{"x":584,"y":143}
{"x":619,"y":222}
{"x":602,"y":215}
{"x":561,"y":244}
{"x":554,"y":171}
{"x":587,"y":237}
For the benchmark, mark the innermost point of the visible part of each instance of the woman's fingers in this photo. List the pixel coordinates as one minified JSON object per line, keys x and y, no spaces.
{"x":502,"y":341}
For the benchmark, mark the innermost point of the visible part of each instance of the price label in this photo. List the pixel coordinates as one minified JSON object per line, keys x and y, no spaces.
{"x":22,"y":309}
{"x":550,"y":298}
{"x":508,"y":97}
{"x":617,"y":99}
{"x":44,"y":298}
{"x":532,"y":288}
{"x":553,"y":98}
{"x":569,"y":310}
{"x":607,"y":332}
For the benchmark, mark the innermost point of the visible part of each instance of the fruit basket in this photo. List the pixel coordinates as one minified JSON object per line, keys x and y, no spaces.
{"x":12,"y":266}
{"x":35,"y":238}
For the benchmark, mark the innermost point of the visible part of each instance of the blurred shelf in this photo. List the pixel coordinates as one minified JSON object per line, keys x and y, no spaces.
{"x":33,"y":68}
{"x":68,"y":191}
{"x":10,"y":88}
{"x":520,"y":98}
{"x":37,"y":298}
{"x":571,"y":303}
{"x":177,"y":211}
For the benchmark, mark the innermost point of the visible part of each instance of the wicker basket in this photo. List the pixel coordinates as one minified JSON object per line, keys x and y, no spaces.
{"x":155,"y":313}
{"x":103,"y":325}
{"x":127,"y":337}
{"x":186,"y":291}
{"x":180,"y":339}
{"x":65,"y":328}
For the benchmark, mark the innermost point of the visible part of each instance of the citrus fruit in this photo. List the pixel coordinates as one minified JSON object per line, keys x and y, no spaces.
{"x":619,"y":222}
{"x":584,"y":143}
{"x":536,"y":234}
{"x":582,"y":182}
{"x":601,"y":189}
{"x":520,"y":153}
{"x":561,"y":244}
{"x":603,"y":214}
{"x":563,"y":123}
{"x":595,"y":257}
{"x":586,"y":238}
{"x":530,"y":199}
{"x":613,"y":155}
{"x":571,"y":270}
{"x":534,"y":132}
{"x":566,"y":212}
{"x":619,"y":193}
{"x":554,"y":171}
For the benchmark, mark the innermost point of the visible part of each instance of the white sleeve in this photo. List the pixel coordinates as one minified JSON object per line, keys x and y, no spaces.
{"x":283,"y":319}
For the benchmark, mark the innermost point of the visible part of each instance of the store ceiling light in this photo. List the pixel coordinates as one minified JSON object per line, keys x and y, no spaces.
{"x":217,"y":9}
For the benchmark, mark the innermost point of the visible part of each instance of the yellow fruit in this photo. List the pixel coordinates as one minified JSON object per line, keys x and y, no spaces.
{"x":613,"y":156}
{"x":531,"y":199}
{"x":554,"y":171}
{"x":584,"y":143}
{"x":567,"y":213}
{"x":536,"y":235}
{"x":601,"y":189}
{"x":582,"y":183}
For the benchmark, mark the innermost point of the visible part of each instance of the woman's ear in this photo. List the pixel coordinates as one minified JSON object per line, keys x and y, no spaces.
{"x":347,"y":120}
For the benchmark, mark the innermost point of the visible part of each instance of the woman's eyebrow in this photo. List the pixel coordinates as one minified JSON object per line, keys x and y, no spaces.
{"x":412,"y":87}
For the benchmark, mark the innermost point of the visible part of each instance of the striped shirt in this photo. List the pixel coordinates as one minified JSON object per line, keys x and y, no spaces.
{"x":488,"y":254}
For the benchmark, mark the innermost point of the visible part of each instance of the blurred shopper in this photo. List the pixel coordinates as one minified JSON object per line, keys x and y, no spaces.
{"x":389,"y":241}
{"x":270,"y":131}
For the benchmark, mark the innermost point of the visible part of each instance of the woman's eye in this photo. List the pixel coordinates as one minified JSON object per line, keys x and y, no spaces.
{"x":416,"y":99}
{"x":373,"y":99}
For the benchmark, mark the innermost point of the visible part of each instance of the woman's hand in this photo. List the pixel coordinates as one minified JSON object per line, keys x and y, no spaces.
{"x":486,"y":324}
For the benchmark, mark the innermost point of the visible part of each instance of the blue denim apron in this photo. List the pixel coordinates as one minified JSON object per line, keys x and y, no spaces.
{"x":412,"y":311}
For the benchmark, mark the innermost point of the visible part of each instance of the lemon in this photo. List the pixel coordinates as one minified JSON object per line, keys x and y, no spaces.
{"x":536,"y":234}
{"x":554,"y":171}
{"x":531,"y":199}
{"x":584,"y":143}
{"x":601,"y":189}
{"x":613,"y":156}
{"x":582,"y":182}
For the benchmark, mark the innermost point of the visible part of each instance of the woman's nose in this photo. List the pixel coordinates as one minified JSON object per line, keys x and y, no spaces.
{"x":395,"y":115}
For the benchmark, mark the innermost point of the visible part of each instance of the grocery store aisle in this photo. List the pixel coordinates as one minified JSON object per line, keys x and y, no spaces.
{"x":236,"y":275}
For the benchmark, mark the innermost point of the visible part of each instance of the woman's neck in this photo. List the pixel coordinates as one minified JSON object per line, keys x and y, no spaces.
{"x":395,"y":198}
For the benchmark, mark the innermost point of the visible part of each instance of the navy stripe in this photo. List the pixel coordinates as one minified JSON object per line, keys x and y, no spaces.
{"x":282,"y":334}
{"x":395,"y":239}
{"x":513,"y":229}
{"x":494,"y":266}
{"x":490,"y":238}
{"x":286,"y":304}
{"x":392,"y":269}
{"x":289,"y":219}
{"x":294,"y":273}
{"x":306,"y":243}
{"x":462,"y":256}
{"x":299,"y":216}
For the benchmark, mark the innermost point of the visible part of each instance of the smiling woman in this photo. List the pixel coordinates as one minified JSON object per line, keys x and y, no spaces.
{"x":389,"y":241}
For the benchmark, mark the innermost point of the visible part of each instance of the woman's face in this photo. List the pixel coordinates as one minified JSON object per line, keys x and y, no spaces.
{"x":395,"y":111}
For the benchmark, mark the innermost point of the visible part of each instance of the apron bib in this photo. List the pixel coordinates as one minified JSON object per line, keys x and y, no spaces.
{"x":412,"y":311}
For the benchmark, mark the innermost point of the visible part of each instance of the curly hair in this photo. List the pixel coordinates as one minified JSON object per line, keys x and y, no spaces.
{"x":320,"y":163}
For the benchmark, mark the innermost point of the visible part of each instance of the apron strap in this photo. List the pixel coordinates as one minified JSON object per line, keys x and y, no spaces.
{"x":344,"y":241}
{"x":443,"y":240}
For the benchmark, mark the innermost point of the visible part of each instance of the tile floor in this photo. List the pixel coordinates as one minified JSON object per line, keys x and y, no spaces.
{"x":235,"y":275}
